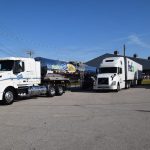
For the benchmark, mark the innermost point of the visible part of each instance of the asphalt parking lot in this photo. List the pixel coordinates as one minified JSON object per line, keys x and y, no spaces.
{"x":78,"y":121}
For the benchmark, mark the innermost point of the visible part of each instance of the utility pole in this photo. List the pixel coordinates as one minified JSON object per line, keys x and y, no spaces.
{"x":30,"y":53}
{"x":125,"y":62}
{"x":124,"y":50}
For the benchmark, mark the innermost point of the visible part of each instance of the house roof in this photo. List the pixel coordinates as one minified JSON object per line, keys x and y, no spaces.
{"x":96,"y":61}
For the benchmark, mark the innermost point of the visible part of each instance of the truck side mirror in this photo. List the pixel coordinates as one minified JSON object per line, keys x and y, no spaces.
{"x":97,"y":71}
{"x":119,"y":70}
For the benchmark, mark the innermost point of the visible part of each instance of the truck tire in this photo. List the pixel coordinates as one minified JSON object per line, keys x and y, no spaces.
{"x":139,"y":82}
{"x":8,"y":96}
{"x":118,"y":87}
{"x":59,"y":90}
{"x":128,"y":85}
{"x":51,"y":91}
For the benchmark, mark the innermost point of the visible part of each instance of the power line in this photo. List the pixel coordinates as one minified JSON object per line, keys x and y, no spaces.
{"x":6,"y":52}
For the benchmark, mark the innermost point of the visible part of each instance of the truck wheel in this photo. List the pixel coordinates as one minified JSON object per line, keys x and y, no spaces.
{"x":59,"y":90}
{"x":118,"y":88}
{"x":8,"y":96}
{"x":51,"y":91}
{"x":139,"y":82}
{"x":129,"y":86}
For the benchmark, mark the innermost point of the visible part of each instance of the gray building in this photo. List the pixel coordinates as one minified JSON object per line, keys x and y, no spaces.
{"x":145,"y":62}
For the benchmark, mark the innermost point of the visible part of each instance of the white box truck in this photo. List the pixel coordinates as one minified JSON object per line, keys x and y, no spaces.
{"x":116,"y":73}
{"x":27,"y":77}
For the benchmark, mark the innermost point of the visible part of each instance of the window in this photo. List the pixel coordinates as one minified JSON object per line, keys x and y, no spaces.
{"x":108,"y":70}
{"x":18,"y":66}
{"x":109,"y":60}
{"x":6,"y":65}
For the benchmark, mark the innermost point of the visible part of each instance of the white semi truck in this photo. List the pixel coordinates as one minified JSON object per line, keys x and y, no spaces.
{"x":116,"y":73}
{"x":24,"y":77}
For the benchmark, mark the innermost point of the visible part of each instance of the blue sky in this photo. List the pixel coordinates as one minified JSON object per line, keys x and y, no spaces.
{"x":74,"y":29}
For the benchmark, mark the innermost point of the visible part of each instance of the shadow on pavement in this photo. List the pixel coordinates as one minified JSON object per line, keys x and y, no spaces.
{"x":78,"y":89}
{"x":89,"y":90}
{"x":146,"y":86}
{"x":19,"y":99}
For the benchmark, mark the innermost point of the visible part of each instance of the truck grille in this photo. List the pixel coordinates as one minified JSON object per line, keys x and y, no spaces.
{"x":102,"y":80}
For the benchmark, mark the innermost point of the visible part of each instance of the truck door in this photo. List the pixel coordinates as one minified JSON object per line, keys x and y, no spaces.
{"x":19,"y":73}
{"x":121,"y":77}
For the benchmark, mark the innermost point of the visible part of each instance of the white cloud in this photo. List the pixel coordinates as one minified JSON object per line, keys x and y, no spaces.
{"x":134,"y":39}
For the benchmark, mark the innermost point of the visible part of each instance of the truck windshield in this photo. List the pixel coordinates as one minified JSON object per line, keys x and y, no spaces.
{"x":6,"y":65}
{"x":108,"y":70}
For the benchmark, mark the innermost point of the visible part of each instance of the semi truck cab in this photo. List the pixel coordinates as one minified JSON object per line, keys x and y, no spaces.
{"x":16,"y":73}
{"x":110,"y":74}
{"x":23,"y":77}
{"x":116,"y":73}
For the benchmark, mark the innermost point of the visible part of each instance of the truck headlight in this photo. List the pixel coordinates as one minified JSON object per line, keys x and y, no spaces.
{"x":113,"y":83}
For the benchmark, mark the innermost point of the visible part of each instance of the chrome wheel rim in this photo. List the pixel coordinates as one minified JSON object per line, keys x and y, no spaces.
{"x":9,"y":96}
{"x":60,"y":90}
{"x":52,"y":91}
